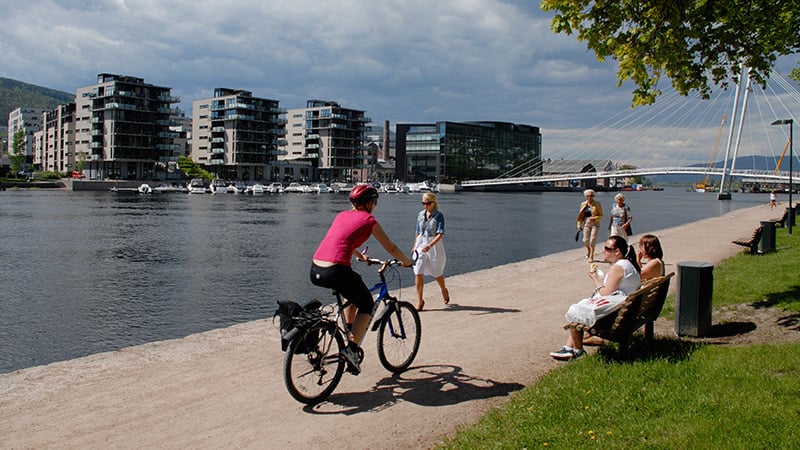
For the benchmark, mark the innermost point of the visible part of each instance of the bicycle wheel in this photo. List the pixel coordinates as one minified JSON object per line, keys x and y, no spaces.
{"x":398,"y":337}
{"x":312,"y":366}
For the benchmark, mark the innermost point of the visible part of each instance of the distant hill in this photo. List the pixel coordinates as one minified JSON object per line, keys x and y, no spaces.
{"x":14,"y":94}
{"x":767,"y":163}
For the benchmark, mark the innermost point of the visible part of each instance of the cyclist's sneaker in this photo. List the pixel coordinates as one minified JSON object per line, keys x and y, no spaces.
{"x":567,"y":353}
{"x":353,"y":355}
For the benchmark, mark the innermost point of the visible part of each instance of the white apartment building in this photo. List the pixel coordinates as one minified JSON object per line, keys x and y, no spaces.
{"x":29,"y":120}
{"x":236,"y":135}
{"x":122,"y":123}
{"x":54,"y":146}
{"x":329,"y":139}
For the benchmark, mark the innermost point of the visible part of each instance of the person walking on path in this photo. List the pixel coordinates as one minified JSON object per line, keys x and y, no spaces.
{"x":589,"y":215}
{"x":773,"y":200}
{"x":620,"y":221}
{"x":428,"y":245}
{"x":331,"y":268}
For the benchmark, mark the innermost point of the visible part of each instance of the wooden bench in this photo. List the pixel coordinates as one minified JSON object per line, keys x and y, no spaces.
{"x":751,"y":241}
{"x":781,"y":221}
{"x":641,"y":307}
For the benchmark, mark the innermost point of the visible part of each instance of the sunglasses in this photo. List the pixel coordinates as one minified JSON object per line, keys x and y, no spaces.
{"x":608,"y":249}
{"x":427,"y":203}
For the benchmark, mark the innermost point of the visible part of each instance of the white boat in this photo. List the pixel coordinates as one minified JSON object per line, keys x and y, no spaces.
{"x":320,"y":188}
{"x":343,"y":187}
{"x":144,"y":188}
{"x":197,"y":186}
{"x":166,"y":189}
{"x":275,"y":188}
{"x":297,"y":188}
{"x":219,"y":186}
{"x":235,"y":188}
{"x":256,"y":189}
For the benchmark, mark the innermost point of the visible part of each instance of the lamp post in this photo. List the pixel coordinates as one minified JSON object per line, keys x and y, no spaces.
{"x":789,"y":122}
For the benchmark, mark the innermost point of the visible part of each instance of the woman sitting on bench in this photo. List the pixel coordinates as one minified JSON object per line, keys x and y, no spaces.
{"x":622,"y":279}
{"x":650,"y":257}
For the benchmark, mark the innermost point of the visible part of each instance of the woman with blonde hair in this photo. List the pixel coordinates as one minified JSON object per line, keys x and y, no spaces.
{"x":589,"y":215}
{"x":431,"y":257}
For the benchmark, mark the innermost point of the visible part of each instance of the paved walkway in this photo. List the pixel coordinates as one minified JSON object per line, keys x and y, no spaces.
{"x":224,"y":388}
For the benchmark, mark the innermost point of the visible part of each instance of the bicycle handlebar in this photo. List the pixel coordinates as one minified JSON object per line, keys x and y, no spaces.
{"x":388,"y":262}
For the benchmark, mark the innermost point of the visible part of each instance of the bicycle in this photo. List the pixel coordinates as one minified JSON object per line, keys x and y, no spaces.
{"x":313,"y":365}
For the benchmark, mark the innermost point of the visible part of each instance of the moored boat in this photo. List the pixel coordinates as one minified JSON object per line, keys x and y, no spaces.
{"x":197,"y":186}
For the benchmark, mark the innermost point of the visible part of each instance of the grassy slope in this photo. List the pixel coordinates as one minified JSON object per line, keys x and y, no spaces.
{"x":681,"y":395}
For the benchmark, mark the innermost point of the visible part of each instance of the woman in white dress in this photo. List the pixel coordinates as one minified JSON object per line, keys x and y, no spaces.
{"x":429,"y":248}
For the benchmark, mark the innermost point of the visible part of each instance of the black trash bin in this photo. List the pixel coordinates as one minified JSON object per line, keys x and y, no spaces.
{"x":767,"y":242}
{"x":693,"y":298}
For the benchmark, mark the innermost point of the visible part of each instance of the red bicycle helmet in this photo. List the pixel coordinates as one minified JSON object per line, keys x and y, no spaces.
{"x":362,"y":194}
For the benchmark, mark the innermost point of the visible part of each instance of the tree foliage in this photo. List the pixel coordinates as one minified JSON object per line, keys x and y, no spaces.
{"x":192,"y":169}
{"x":17,"y":152}
{"x":696,"y":43}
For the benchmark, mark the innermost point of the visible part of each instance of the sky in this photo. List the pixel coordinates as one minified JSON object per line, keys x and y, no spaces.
{"x":398,"y":60}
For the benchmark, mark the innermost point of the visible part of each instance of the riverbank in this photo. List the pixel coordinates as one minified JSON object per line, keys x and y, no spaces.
{"x":224,"y":388}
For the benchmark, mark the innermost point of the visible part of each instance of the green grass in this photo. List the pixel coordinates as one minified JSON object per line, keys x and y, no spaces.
{"x":675,"y":394}
{"x":762,"y":280}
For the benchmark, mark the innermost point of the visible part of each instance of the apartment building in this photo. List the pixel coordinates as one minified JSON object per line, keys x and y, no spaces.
{"x":122,"y":123}
{"x":54,"y":145}
{"x":326,"y":141}
{"x":29,"y":120}
{"x":237,"y":135}
{"x":449,"y":152}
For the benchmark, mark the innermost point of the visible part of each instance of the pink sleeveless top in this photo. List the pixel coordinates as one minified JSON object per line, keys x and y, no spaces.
{"x":348,"y":231}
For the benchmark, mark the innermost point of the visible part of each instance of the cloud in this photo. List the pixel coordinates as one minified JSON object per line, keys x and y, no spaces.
{"x":408,"y":61}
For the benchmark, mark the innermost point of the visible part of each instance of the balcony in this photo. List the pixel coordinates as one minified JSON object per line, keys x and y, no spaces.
{"x":169,"y":98}
{"x":217,"y":140}
{"x":216,"y":161}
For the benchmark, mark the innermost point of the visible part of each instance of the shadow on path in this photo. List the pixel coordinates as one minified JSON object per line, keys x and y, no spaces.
{"x":478,"y":309}
{"x":437,"y":385}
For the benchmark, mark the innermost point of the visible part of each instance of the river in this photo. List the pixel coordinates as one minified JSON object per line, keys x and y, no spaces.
{"x":88,"y":272}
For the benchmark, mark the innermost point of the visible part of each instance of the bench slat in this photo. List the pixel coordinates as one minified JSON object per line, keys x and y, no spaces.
{"x":751,"y":241}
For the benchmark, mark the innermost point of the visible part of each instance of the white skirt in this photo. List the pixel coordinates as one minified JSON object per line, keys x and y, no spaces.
{"x":588,"y":310}
{"x":432,"y":262}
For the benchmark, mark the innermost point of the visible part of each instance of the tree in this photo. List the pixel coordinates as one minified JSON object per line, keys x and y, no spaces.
{"x":192,"y":169}
{"x":17,"y":152}
{"x":696,"y":43}
{"x":795,"y":75}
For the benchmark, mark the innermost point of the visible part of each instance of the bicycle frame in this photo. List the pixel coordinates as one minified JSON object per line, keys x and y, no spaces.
{"x":381,"y":294}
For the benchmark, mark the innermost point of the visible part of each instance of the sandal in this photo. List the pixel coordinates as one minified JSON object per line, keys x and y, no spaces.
{"x":447,"y":299}
{"x":421,"y":305}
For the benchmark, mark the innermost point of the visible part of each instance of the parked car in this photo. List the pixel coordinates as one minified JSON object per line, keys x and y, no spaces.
{"x":76,"y":174}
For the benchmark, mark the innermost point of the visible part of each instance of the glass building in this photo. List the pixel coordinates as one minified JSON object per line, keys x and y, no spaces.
{"x":450,"y":152}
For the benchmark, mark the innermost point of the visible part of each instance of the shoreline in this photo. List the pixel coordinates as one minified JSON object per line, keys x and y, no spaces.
{"x":224,"y":387}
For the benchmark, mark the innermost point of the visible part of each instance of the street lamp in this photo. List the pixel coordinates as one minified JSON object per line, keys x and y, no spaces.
{"x":789,"y":122}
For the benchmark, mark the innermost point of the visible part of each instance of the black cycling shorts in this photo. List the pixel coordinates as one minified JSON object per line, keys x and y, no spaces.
{"x":347,"y":282}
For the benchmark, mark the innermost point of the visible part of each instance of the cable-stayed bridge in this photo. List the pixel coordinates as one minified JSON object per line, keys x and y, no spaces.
{"x":674,"y":136}
{"x":781,"y":176}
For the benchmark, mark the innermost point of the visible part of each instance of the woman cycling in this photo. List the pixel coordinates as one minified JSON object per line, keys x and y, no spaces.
{"x":331,"y":268}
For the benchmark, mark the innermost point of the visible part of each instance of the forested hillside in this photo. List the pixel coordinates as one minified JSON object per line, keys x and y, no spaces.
{"x":14,"y":94}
